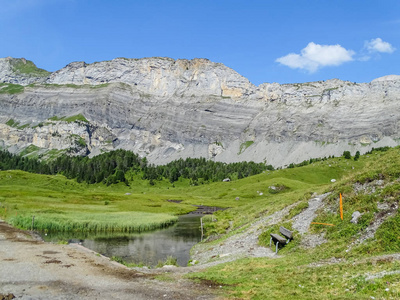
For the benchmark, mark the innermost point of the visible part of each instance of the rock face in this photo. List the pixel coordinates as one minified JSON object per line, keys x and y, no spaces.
{"x":21,"y":71}
{"x":166,"y":109}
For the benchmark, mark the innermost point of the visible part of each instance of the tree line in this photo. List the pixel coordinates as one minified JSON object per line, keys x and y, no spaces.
{"x":113,"y":167}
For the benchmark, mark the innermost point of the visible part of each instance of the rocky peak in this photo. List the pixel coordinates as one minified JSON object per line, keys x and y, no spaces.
{"x":158,"y":76}
{"x":21,"y":71}
{"x":387,"y":78}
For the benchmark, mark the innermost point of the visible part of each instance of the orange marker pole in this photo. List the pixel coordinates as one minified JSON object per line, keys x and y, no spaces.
{"x":341,"y":206}
{"x":322,"y":223}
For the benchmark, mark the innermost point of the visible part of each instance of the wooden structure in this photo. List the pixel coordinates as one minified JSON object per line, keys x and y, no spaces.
{"x":288,"y":235}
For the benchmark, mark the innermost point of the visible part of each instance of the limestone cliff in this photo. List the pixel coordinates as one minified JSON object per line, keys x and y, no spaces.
{"x":166,"y":109}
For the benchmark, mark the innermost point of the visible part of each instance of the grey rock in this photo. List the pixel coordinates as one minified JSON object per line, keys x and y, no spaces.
{"x":11,"y":72}
{"x":355,"y":216}
{"x":383,"y":206}
{"x":312,"y":240}
{"x":302,"y":221}
{"x":168,"y":109}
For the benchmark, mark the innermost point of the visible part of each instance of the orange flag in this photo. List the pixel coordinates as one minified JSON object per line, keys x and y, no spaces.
{"x":341,"y":206}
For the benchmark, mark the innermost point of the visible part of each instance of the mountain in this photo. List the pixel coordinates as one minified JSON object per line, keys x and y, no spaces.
{"x":166,"y":109}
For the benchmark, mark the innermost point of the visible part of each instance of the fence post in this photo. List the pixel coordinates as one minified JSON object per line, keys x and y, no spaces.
{"x":33,"y":222}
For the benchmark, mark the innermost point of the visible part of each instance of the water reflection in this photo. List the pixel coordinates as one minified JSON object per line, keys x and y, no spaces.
{"x":148,"y":247}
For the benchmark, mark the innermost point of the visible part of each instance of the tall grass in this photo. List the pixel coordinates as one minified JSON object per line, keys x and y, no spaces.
{"x":95,"y":222}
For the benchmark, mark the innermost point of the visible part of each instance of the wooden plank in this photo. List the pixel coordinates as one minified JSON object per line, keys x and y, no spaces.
{"x":286,"y":232}
{"x":278,"y":238}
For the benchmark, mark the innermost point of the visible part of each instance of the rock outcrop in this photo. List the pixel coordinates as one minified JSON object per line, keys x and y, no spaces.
{"x":21,"y":71}
{"x":166,"y":109}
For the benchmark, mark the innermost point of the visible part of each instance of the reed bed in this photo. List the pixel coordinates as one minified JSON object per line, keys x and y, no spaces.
{"x":124,"y":222}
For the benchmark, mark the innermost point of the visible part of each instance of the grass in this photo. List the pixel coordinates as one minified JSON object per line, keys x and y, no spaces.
{"x":12,"y":123}
{"x":59,"y":221}
{"x":70,"y":119}
{"x":170,"y":261}
{"x":79,"y":141}
{"x":52,"y":154}
{"x":59,"y":204}
{"x":129,"y":265}
{"x":244,"y":146}
{"x":10,"y":88}
{"x":27,"y":67}
{"x":296,"y":278}
{"x":31,"y":150}
{"x":15,"y":124}
{"x":301,"y":273}
{"x":327,"y":271}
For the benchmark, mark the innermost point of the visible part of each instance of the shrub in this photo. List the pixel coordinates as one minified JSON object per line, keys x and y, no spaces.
{"x":357,"y":156}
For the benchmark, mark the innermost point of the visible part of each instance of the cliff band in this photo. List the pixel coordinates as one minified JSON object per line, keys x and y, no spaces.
{"x":167,"y":109}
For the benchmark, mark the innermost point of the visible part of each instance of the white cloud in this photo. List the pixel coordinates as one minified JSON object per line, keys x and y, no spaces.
{"x":315,"y":56}
{"x":377,"y":45}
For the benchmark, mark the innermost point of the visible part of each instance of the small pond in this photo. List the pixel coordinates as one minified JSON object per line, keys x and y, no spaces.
{"x":146,"y":247}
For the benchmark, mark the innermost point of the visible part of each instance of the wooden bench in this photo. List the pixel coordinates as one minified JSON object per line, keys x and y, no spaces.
{"x":288,"y":235}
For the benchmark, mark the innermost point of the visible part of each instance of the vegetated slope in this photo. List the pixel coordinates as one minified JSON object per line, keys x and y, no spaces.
{"x":168,"y":109}
{"x":357,"y":259}
{"x":342,"y":262}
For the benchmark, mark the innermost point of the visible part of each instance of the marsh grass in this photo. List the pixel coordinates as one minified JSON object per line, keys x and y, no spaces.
{"x":59,"y":204}
{"x":95,"y":222}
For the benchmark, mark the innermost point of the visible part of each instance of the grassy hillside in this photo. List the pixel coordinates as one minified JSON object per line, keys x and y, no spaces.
{"x":27,"y":67}
{"x":356,"y":261}
{"x":353,"y":263}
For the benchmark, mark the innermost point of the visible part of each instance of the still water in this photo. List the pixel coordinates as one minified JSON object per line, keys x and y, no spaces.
{"x":147,"y":247}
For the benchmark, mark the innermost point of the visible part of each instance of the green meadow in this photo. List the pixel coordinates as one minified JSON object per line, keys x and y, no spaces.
{"x":328,"y":271}
{"x":340,"y":268}
{"x":60,"y":204}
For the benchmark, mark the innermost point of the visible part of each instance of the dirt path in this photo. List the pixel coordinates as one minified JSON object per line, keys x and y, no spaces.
{"x":32,"y":269}
{"x":244,"y":244}
{"x":302,"y":221}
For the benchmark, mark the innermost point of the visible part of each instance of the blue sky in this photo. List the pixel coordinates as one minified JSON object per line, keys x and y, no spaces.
{"x":283,"y":41}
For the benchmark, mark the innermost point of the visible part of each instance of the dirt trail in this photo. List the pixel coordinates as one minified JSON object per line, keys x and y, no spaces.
{"x":32,"y":269}
{"x":244,"y":244}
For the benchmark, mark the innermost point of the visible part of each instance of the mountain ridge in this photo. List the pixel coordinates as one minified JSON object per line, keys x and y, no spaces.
{"x":167,"y":109}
